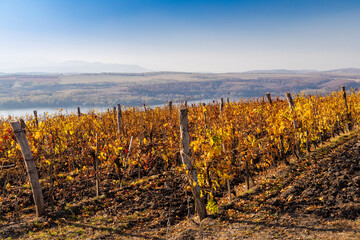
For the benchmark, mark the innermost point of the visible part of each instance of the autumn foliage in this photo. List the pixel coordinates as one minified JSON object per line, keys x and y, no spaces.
{"x":250,"y":132}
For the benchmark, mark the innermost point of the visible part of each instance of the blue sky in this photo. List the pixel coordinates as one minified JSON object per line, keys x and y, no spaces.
{"x":210,"y":36}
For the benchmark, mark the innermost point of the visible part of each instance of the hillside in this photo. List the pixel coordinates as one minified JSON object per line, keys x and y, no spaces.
{"x":316,"y":197}
{"x":155,"y":88}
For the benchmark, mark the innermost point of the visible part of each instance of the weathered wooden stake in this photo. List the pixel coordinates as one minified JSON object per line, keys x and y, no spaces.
{"x":290,"y":101}
{"x":97,"y":169}
{"x":140,"y":147}
{"x":345,"y":100}
{"x":282,"y":149}
{"x":221,"y":104}
{"x":51,"y":189}
{"x":141,"y":139}
{"x":79,"y":112}
{"x":269,"y":98}
{"x":292,"y":107}
{"x":307,"y":142}
{"x":247,"y":175}
{"x":23,"y":124}
{"x":185,"y":157}
{"x":119,"y":119}
{"x":36,"y":118}
{"x":30,"y":167}
{"x":170,"y":108}
{"x":348,"y":124}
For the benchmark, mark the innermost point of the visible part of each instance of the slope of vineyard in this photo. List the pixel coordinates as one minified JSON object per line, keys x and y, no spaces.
{"x":316,"y":198}
{"x":141,"y":177}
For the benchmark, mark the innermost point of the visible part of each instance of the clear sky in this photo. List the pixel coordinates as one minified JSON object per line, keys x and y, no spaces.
{"x":182,"y":35}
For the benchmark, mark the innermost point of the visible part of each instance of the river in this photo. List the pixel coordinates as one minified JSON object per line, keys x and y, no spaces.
{"x":30,"y":111}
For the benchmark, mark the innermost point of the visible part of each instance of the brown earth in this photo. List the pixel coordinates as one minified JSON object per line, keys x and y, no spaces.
{"x":317,"y":197}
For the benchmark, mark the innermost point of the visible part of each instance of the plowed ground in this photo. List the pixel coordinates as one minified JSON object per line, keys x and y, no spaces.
{"x":316,"y":197}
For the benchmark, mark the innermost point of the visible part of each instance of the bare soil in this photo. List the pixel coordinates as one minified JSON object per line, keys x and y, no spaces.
{"x":316,"y":197}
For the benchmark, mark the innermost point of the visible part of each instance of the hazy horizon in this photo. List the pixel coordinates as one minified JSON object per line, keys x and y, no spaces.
{"x":83,"y":67}
{"x":190,"y":36}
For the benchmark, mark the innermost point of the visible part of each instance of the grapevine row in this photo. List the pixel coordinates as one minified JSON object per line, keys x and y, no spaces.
{"x":227,"y":142}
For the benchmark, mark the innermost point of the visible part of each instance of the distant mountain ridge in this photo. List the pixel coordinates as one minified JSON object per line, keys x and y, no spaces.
{"x":287,"y":71}
{"x":83,"y":67}
{"x":283,"y":71}
{"x":345,"y":70}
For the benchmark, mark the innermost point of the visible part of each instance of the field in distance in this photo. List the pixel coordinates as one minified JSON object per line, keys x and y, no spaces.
{"x":154,"y":88}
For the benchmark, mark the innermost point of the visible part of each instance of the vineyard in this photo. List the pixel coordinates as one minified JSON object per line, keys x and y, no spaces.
{"x":122,"y":155}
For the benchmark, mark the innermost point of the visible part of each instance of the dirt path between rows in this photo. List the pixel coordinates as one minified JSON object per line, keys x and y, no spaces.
{"x":317,"y":197}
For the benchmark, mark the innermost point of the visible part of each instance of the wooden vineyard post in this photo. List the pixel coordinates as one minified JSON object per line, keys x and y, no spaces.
{"x":170,"y":109}
{"x":205,"y":124}
{"x":221,"y":104}
{"x":141,"y":151}
{"x":51,"y":188}
{"x":292,"y":107}
{"x":344,"y":96}
{"x":114,"y":118}
{"x":30,"y":167}
{"x":290,"y":101}
{"x":78,"y":111}
{"x":348,"y":124}
{"x":185,"y":157}
{"x":119,"y":119}
{"x":317,"y":124}
{"x":307,"y":142}
{"x":269,"y":98}
{"x":36,"y":118}
{"x":97,"y":188}
{"x":22,"y":123}
{"x":247,"y":175}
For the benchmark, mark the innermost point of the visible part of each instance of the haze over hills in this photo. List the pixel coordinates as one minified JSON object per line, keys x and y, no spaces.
{"x":107,"y":89}
{"x":81,"y":67}
{"x":284,"y":71}
{"x":281,"y":71}
{"x":345,"y":70}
